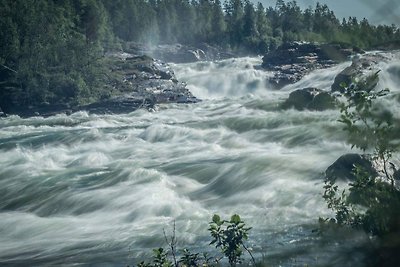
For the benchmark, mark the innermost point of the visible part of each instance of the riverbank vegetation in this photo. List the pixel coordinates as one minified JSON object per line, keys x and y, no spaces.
{"x":52,"y":52}
{"x":228,"y":236}
{"x":370,"y":202}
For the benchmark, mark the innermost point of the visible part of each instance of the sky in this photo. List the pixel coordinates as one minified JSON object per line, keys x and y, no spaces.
{"x":376,"y":11}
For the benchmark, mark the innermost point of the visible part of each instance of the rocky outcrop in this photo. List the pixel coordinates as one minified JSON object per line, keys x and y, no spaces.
{"x":120,"y":104}
{"x":359,"y":68}
{"x":292,"y":61}
{"x":145,"y":83}
{"x":343,"y":167}
{"x":311,"y":99}
{"x":178,"y":53}
{"x":134,"y":82}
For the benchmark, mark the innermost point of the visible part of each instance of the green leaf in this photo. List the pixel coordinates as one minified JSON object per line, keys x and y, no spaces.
{"x":216,"y":219}
{"x":235,"y":219}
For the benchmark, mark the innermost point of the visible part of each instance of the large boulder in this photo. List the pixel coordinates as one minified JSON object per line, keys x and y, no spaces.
{"x":343,"y":168}
{"x":360,"y":68}
{"x":311,"y":99}
{"x":345,"y":78}
{"x":292,"y":61}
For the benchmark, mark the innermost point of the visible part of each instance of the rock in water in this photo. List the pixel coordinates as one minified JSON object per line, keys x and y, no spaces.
{"x":145,"y":83}
{"x":178,"y":53}
{"x":310,"y":98}
{"x":292,"y":61}
{"x":360,"y":68}
{"x":134,"y":81}
{"x":343,"y":167}
{"x":396,"y":175}
{"x":2,"y":114}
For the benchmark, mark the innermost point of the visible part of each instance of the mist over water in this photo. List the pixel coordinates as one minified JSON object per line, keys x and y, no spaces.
{"x":99,"y":190}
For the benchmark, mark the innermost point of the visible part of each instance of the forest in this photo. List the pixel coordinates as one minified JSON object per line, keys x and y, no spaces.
{"x":52,"y":51}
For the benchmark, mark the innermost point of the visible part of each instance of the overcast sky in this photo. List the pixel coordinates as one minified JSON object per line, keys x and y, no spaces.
{"x":376,"y":11}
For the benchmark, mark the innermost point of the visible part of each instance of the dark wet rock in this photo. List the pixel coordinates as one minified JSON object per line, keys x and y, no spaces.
{"x":44,"y":110}
{"x":396,"y":175}
{"x":360,"y":68}
{"x":310,"y":98}
{"x":388,"y":46}
{"x":323,"y":101}
{"x":343,"y":168}
{"x":121,"y":104}
{"x":2,"y":114}
{"x":292,"y":61}
{"x":213,"y":53}
{"x":150,"y":68}
{"x":345,"y":78}
{"x":135,"y":81}
{"x":178,"y":53}
{"x":145,"y":83}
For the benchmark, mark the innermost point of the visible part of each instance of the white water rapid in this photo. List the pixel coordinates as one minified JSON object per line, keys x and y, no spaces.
{"x":90,"y":190}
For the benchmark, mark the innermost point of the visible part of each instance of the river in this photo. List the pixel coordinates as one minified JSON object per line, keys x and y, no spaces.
{"x":98,"y":190}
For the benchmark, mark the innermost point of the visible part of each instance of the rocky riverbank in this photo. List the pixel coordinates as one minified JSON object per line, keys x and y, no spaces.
{"x":134,"y":81}
{"x":180,"y":53}
{"x":362,"y":67}
{"x":144,"y":82}
{"x":292,"y":61}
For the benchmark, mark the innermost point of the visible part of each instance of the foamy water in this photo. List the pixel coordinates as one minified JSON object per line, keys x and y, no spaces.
{"x":90,"y":190}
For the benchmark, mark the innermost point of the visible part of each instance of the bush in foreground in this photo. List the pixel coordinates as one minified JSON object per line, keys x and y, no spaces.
{"x":227,"y":236}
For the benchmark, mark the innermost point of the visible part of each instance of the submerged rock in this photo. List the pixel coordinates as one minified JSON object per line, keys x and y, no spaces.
{"x":310,"y":98}
{"x":343,"y":167}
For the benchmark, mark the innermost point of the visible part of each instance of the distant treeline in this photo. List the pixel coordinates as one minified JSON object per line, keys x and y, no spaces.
{"x":51,"y":50}
{"x":239,"y":24}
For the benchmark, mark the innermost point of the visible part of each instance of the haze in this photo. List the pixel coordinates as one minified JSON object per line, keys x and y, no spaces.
{"x":377,"y":12}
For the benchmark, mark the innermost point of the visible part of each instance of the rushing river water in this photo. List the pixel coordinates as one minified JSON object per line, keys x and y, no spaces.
{"x":89,"y":190}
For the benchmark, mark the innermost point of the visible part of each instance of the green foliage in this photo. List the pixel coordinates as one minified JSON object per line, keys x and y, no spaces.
{"x":160,"y":259}
{"x":45,"y":43}
{"x":51,"y":52}
{"x":368,"y":128}
{"x":371,"y":203}
{"x":189,"y":259}
{"x":229,"y":236}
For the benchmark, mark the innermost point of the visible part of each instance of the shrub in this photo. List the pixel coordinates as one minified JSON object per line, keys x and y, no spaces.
{"x":229,"y":236}
{"x":372,"y":202}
